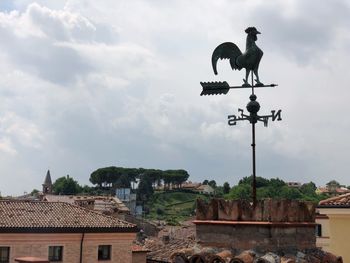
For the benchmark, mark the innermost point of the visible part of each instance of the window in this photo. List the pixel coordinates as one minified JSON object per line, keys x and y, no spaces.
{"x":319,"y":230}
{"x":104,"y":252}
{"x":55,"y":253}
{"x":4,"y":254}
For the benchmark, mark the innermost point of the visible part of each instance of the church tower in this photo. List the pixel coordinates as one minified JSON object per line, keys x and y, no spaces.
{"x":47,"y":185}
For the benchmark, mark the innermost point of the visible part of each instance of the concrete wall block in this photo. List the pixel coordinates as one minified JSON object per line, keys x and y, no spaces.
{"x":246,"y":210}
{"x":228,"y":210}
{"x":293,"y":212}
{"x":266,"y":210}
{"x":267,"y":207}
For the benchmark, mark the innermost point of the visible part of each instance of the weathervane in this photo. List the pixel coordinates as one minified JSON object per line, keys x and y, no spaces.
{"x":249,"y":60}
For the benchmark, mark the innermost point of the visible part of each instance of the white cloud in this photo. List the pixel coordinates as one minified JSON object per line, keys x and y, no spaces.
{"x":6,"y":146}
{"x":86,"y":84}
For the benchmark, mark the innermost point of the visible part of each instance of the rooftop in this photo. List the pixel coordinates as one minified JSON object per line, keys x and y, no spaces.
{"x":337,"y":201}
{"x":38,"y":216}
{"x":103,"y":204}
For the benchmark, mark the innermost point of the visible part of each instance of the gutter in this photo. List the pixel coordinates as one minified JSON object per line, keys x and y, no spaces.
{"x":81,"y":247}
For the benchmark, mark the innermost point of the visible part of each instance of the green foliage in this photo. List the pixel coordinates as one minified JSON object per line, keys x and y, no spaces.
{"x":66,"y":185}
{"x":123,"y":182}
{"x":175,"y":177}
{"x":113,"y":177}
{"x":260,"y":181}
{"x":226,"y":188}
{"x":160,"y":211}
{"x":274,"y":188}
{"x":290,"y":193}
{"x":212,"y":183}
{"x":333,"y":185}
{"x":219,"y":192}
{"x":145,"y":189}
{"x":172,"y":206}
{"x":241,"y":191}
{"x":34,"y":192}
{"x":90,"y":190}
{"x":308,"y":189}
{"x":205,"y":181}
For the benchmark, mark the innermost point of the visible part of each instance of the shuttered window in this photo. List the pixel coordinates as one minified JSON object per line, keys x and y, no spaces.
{"x":104,"y":252}
{"x":55,"y":253}
{"x":4,"y":254}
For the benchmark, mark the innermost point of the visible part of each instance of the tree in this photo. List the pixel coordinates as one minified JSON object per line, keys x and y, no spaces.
{"x":242,"y":191}
{"x":276,"y":182}
{"x":308,"y":189}
{"x":109,"y":176}
{"x":180,"y":176}
{"x":260,"y":181}
{"x":66,"y":185}
{"x":290,"y":193}
{"x":175,"y":177}
{"x":212,"y":183}
{"x":205,"y":182}
{"x":155,"y":175}
{"x":34,"y":192}
{"x":226,"y":188}
{"x":123,"y":182}
{"x":333,"y":185}
{"x":145,"y":189}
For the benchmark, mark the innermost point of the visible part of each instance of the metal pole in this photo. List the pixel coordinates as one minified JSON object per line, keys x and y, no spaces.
{"x":253,"y":151}
{"x":254,"y":167}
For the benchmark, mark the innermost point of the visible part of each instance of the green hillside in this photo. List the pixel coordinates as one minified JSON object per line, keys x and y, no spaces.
{"x":172,"y":207}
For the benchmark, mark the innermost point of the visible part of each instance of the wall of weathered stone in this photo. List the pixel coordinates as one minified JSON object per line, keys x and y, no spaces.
{"x":266,"y":210}
{"x":269,"y":226}
{"x":259,"y":237}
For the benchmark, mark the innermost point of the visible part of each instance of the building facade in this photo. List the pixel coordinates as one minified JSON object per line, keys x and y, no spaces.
{"x":127,"y":197}
{"x":333,"y":232}
{"x":62,"y":232}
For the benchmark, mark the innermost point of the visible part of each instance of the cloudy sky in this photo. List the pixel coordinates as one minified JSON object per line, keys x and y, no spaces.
{"x":88,"y":84}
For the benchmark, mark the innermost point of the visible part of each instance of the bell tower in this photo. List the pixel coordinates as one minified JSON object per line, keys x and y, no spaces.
{"x":47,"y":185}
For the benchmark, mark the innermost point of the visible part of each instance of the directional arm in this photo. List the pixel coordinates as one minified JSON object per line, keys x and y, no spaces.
{"x":232,"y":119}
{"x":218,"y":87}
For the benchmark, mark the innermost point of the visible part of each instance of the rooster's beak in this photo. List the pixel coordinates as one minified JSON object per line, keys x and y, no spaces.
{"x":257,"y":32}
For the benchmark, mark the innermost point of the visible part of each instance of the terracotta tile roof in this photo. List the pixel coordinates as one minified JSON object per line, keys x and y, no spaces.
{"x":38,"y":216}
{"x":339,"y":190}
{"x":31,"y":259}
{"x":337,"y":201}
{"x":103,"y":204}
{"x":190,"y":185}
{"x":137,"y":248}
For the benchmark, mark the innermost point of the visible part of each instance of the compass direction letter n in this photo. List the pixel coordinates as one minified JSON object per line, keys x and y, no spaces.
{"x":276,"y":115}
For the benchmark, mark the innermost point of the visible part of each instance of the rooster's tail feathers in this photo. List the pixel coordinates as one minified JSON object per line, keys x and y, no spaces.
{"x":227,"y":50}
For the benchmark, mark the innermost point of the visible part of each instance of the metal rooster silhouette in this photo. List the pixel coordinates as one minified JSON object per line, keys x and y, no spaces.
{"x":249,"y":60}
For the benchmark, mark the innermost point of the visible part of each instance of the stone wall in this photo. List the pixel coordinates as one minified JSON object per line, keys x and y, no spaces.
{"x":271,"y":225}
{"x":149,"y":229}
{"x":257,"y":237}
{"x":139,"y":257}
{"x":267,"y":210}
